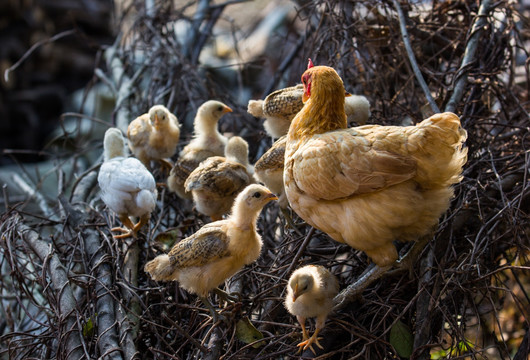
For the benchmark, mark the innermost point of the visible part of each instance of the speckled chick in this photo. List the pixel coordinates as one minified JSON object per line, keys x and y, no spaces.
{"x":216,"y":182}
{"x":280,"y":107}
{"x":218,"y":250}
{"x":310,"y":293}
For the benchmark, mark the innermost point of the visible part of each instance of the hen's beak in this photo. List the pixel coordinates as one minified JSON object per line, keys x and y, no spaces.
{"x":227,"y":110}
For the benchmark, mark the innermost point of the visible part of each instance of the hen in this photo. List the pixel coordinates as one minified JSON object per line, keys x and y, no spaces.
{"x":207,"y":141}
{"x":216,"y":182}
{"x":218,"y":250}
{"x":310,"y":293}
{"x":154,"y":136}
{"x":369,"y":185}
{"x":127,"y":187}
{"x":280,"y":107}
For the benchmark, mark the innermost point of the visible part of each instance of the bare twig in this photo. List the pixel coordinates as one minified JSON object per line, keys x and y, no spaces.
{"x":412,"y":58}
{"x":469,"y":55}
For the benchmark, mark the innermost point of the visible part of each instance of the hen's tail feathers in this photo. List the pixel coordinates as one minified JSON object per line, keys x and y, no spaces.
{"x":160,"y":268}
{"x":443,"y":140}
{"x":255,"y":108}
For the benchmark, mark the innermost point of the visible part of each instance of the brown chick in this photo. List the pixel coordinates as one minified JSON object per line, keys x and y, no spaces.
{"x":127,"y":187}
{"x":310,"y":293}
{"x":215,"y":183}
{"x":218,"y":250}
{"x":269,"y":170}
{"x":280,"y":107}
{"x":369,"y":185}
{"x":207,"y":141}
{"x":154,"y":136}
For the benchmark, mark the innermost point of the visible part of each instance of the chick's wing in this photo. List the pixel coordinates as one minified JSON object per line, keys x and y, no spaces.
{"x":344,"y":163}
{"x":206,"y":245}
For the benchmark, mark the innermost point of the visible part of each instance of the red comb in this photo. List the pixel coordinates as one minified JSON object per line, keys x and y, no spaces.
{"x":310,"y":64}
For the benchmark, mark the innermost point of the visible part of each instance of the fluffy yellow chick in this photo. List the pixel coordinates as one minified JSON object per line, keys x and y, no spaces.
{"x":280,"y":107}
{"x":154,"y":136}
{"x":207,"y":142}
{"x":127,"y":187}
{"x":215,"y":183}
{"x":218,"y":250}
{"x":310,"y":293}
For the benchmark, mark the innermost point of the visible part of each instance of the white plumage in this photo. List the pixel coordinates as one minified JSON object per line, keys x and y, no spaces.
{"x":127,"y":187}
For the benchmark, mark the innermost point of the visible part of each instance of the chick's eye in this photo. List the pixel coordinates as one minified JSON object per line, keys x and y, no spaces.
{"x":220,"y":108}
{"x":257,"y":195}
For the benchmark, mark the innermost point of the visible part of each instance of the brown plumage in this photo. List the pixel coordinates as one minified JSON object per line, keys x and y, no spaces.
{"x":280,"y":107}
{"x":207,"y":142}
{"x":269,"y":169}
{"x":369,"y":185}
{"x":216,"y":182}
{"x":218,"y":250}
{"x":154,"y":136}
{"x":310,"y":293}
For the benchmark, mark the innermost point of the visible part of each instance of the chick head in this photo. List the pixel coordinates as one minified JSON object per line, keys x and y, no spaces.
{"x":237,"y":150}
{"x":114,"y":144}
{"x":254,"y":197}
{"x":322,"y":81}
{"x":301,"y":282}
{"x":159,"y":115}
{"x":212,"y":110}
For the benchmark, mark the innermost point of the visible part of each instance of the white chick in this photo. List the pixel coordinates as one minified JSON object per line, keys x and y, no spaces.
{"x":310,"y":293}
{"x":127,"y":187}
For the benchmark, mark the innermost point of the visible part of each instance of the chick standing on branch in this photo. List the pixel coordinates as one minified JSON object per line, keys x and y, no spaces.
{"x":369,"y":185}
{"x":127,"y":187}
{"x":218,"y":250}
{"x":310,"y":293}
{"x":154,"y":136}
{"x":207,"y":141}
{"x":216,"y":182}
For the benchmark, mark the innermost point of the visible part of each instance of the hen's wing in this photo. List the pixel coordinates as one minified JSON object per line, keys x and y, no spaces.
{"x":343,"y":163}
{"x":206,"y":245}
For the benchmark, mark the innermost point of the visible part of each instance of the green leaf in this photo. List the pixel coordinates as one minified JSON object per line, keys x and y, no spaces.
{"x":88,"y":328}
{"x":401,"y":339}
{"x":247,"y":333}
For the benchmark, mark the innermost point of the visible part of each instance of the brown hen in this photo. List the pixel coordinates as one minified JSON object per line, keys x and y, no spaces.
{"x":369,"y":185}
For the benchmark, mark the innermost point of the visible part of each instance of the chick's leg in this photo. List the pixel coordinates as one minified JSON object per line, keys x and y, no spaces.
{"x":215,"y":315}
{"x":128,"y":231}
{"x":144,"y":219}
{"x":314,"y":339}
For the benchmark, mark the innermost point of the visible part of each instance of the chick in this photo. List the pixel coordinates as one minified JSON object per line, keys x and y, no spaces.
{"x":215,"y":183}
{"x":310,"y":293}
{"x":127,"y":187}
{"x":154,"y":136}
{"x":269,"y":170}
{"x":281,"y":106}
{"x":218,"y":250}
{"x":207,"y":142}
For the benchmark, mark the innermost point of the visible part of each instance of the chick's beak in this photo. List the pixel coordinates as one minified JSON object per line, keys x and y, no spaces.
{"x":227,"y":110}
{"x":295,"y":293}
{"x":270,"y":197}
{"x":156,"y":120}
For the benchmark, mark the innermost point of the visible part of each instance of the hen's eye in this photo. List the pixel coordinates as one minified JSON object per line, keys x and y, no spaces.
{"x":257,"y":195}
